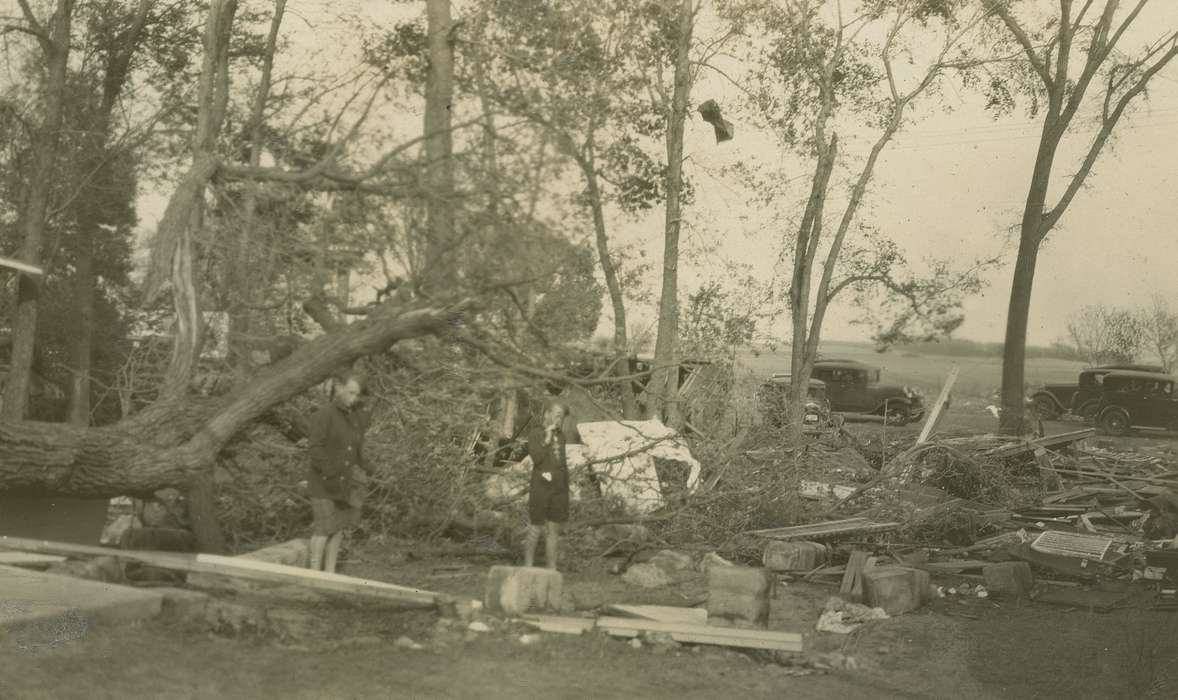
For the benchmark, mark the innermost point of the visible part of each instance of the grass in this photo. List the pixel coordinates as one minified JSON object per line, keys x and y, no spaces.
{"x":979,"y":377}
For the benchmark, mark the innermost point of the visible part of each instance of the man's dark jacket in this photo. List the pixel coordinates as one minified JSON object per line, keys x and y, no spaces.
{"x":336,"y":446}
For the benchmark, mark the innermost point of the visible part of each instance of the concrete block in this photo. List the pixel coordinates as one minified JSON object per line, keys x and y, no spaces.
{"x":739,"y":594}
{"x":1010,"y":579}
{"x":893,"y":589}
{"x":515,"y":590}
{"x":793,"y":556}
{"x":183,"y":605}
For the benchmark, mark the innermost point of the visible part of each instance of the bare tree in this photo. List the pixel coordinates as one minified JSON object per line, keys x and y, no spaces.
{"x":1158,"y":323}
{"x":1102,"y":334}
{"x":1068,"y":59}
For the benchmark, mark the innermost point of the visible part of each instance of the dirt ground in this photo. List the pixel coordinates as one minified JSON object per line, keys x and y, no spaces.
{"x":336,"y":648}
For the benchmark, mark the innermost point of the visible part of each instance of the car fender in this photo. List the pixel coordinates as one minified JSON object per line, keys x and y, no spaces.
{"x":1054,"y":399}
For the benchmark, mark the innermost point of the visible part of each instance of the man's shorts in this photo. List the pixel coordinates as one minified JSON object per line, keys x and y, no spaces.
{"x":548,"y":502}
{"x":331,"y":516}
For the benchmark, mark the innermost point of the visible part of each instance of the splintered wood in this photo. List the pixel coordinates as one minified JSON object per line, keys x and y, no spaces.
{"x":827,"y":529}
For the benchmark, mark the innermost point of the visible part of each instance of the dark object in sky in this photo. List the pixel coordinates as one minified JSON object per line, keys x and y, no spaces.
{"x":710,"y":111}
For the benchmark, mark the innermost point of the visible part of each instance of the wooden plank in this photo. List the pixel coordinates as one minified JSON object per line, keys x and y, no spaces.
{"x":953,"y":567}
{"x":934,"y":415}
{"x":560,"y":624}
{"x":833,"y":527}
{"x":1045,"y":442}
{"x":704,"y":634}
{"x":29,"y":559}
{"x":20,"y":266}
{"x":854,"y":568}
{"x":237,"y":567}
{"x":662,"y":613}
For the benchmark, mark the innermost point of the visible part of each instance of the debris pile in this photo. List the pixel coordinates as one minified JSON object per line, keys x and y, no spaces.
{"x":1055,"y":520}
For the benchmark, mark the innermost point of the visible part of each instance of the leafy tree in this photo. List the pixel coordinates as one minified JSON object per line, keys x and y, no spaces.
{"x":822,"y":72}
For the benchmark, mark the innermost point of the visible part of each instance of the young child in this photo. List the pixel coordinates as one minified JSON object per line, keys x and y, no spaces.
{"x":548,"y":494}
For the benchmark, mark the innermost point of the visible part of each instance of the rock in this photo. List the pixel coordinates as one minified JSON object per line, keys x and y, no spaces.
{"x":740,"y":594}
{"x":894,"y":590}
{"x":647,"y":576}
{"x":1009,"y":579}
{"x":636,"y":643}
{"x":515,"y":590}
{"x":618,"y":532}
{"x":404,"y":642}
{"x":478,"y":627}
{"x":671,"y":561}
{"x":793,"y":556}
{"x":529,"y":639}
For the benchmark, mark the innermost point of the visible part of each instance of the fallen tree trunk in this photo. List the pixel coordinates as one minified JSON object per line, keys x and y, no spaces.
{"x":169,"y":444}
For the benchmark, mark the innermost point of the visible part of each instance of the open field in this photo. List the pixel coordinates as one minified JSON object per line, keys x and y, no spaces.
{"x":979,"y":378}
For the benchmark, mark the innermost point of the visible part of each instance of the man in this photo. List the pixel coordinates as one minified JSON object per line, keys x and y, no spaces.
{"x":336,"y":448}
{"x":548,"y":493}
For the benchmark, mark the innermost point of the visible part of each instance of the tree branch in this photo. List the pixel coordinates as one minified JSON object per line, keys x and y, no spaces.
{"x":1000,"y":8}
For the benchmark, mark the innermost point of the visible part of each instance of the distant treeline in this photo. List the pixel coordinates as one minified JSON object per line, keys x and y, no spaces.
{"x":956,"y":347}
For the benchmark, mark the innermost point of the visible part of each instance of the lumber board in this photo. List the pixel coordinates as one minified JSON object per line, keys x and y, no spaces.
{"x":20,"y":266}
{"x":560,"y":624}
{"x":236,"y":567}
{"x":704,"y":634}
{"x":934,"y":416}
{"x":29,"y":559}
{"x":1049,"y":441}
{"x":661,"y":613}
{"x":830,"y":528}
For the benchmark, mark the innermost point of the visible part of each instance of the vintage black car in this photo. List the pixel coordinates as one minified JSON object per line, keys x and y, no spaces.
{"x":1137,"y":400}
{"x":854,"y":387}
{"x":1081,"y":397}
{"x":773,"y":398}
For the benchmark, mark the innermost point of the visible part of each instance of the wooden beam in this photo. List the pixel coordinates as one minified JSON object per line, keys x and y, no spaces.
{"x":934,"y":416}
{"x":20,"y":266}
{"x":853,"y":571}
{"x":704,"y":634}
{"x":826,"y":529}
{"x":236,"y":567}
{"x":1050,"y":441}
{"x":662,"y":613}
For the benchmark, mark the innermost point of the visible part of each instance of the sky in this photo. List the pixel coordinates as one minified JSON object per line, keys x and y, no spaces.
{"x":951,"y":185}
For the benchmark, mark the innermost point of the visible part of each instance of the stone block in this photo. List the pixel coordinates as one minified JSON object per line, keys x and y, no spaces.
{"x":183,"y":605}
{"x":515,"y":590}
{"x":739,"y":594}
{"x":793,"y":556}
{"x":1010,"y":579}
{"x":893,"y":589}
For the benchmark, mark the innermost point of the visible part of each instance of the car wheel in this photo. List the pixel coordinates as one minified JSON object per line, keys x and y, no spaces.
{"x":1115,"y":421}
{"x":1045,"y":407}
{"x":896,"y":414}
{"x":1088,"y":410}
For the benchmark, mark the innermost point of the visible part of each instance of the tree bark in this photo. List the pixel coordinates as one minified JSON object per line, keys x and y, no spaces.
{"x":55,"y":44}
{"x":85,"y":279}
{"x":614,"y":287}
{"x":241,"y":267}
{"x":1031,"y":232}
{"x":665,"y":379}
{"x":438,"y":272}
{"x":81,"y":345}
{"x":175,"y":444}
